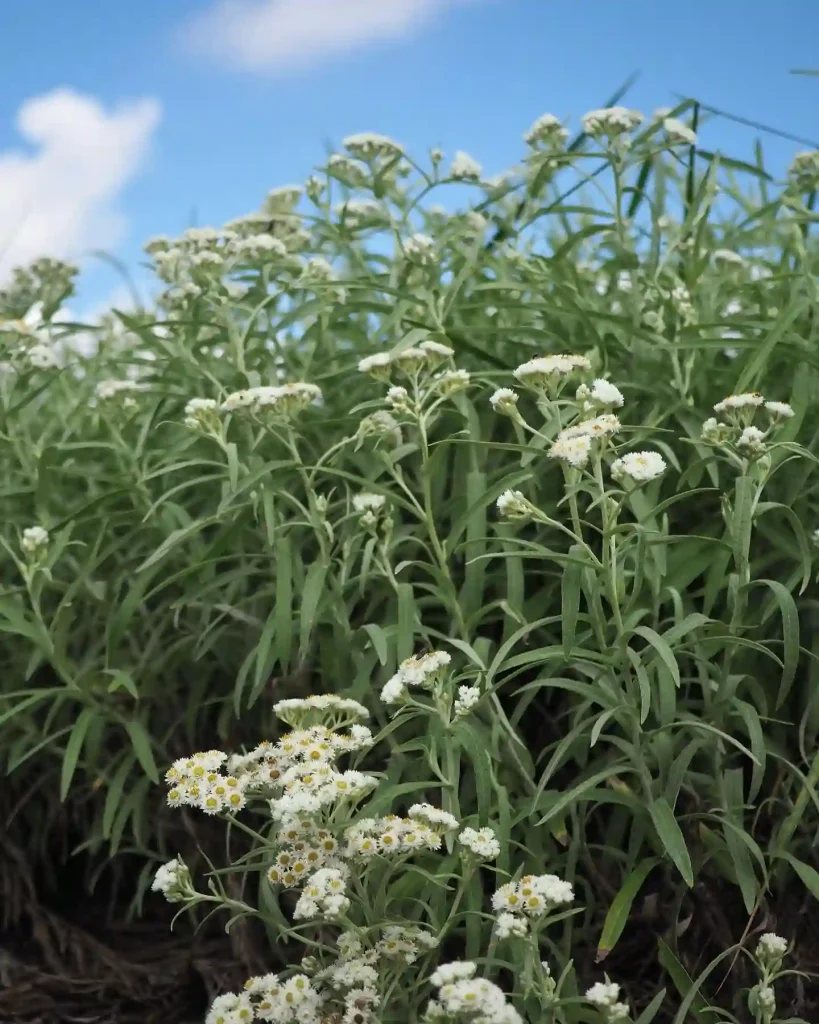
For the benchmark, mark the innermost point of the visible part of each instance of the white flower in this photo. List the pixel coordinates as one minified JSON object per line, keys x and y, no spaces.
{"x":504,"y":401}
{"x":544,"y":369}
{"x":678,"y":132}
{"x":514,"y":505}
{"x":366,"y":502}
{"x":398,"y":397}
{"x":603,"y":994}
{"x":420,"y":249}
{"x":110,"y":389}
{"x":433,"y":349}
{"x":753,"y":439}
{"x":369,"y":145}
{"x":434,"y":817}
{"x":173,"y":880}
{"x":509,"y":926}
{"x":766,"y":998}
{"x":447,"y":974}
{"x":35,"y":538}
{"x":611,"y":121}
{"x":574,"y":450}
{"x":465,"y":167}
{"x":780,"y":410}
{"x":41,"y":357}
{"x":597,"y":426}
{"x":377,"y":361}
{"x":420,"y":670}
{"x":281,"y":399}
{"x":450,"y":382}
{"x":468,"y":697}
{"x":771,"y":947}
{"x":639,"y":467}
{"x":547,"y":130}
{"x":605,"y":393}
{"x":230,"y":1009}
{"x":748,"y":400}
{"x":482,"y":842}
{"x":201,"y":412}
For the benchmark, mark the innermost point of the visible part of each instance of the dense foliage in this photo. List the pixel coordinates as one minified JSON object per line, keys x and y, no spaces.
{"x":532,"y":486}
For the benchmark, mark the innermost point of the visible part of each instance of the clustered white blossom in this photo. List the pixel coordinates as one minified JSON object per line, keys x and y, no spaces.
{"x":528,"y":899}
{"x":278,"y":400}
{"x":465,"y":167}
{"x":514,"y":505}
{"x":547,"y":132}
{"x":545,"y":370}
{"x":466,"y":699}
{"x":173,"y":880}
{"x":605,"y":995}
{"x":739,"y":430}
{"x":462,"y":996}
{"x":482,"y":842}
{"x":505,"y":401}
{"x":421,"y":671}
{"x":120,"y":391}
{"x":34,"y":540}
{"x":611,"y":122}
{"x":638,"y":467}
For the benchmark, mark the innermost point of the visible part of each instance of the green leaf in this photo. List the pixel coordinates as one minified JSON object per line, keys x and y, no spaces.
{"x":379,"y":641}
{"x":618,"y":912}
{"x":73,"y":748}
{"x":570,"y":600}
{"x":670,"y":835}
{"x":310,"y":599}
{"x":141,"y":743}
{"x":808,"y":875}
{"x":790,"y":634}
{"x":664,"y":652}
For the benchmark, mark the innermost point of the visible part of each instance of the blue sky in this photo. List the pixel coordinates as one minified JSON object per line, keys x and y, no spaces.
{"x":174,"y":117}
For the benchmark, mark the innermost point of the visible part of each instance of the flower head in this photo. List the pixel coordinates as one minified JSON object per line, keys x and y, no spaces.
{"x":504,"y":401}
{"x":465,"y":167}
{"x":35,"y":540}
{"x":482,"y":842}
{"x":574,"y":450}
{"x":638,"y":467}
{"x":546,"y":132}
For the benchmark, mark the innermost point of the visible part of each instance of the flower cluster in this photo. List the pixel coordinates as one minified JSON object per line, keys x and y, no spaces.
{"x":547,"y":132}
{"x":421,"y":671}
{"x":276,"y":400}
{"x":738,"y":431}
{"x":529,"y":898}
{"x":605,"y":995}
{"x":462,"y":996}
{"x":34,"y":540}
{"x":482,"y":842}
{"x":611,"y":122}
{"x":545,"y":371}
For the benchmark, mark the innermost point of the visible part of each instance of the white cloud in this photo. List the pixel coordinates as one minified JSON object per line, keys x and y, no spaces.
{"x":61,"y":196}
{"x":281,"y":35}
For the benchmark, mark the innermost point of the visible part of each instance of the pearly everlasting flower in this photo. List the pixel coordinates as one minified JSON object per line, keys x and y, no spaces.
{"x":230,"y":1009}
{"x":438,"y":820}
{"x":398,"y":397}
{"x":421,"y":670}
{"x":597,"y":426}
{"x":280,"y":400}
{"x":381,"y":425}
{"x":638,"y":467}
{"x":748,"y":400}
{"x":420,"y":249}
{"x":326,"y":709}
{"x":573,"y":450}
{"x":35,"y":539}
{"x":450,"y":382}
{"x":511,"y":926}
{"x":766,"y":998}
{"x":514,"y":505}
{"x":370,"y":145}
{"x":462,"y":996}
{"x":533,"y":895}
{"x":771,"y":947}
{"x":504,"y":401}
{"x":465,"y":167}
{"x":714,"y":432}
{"x":546,"y":131}
{"x":611,"y":121}
{"x":367,"y":502}
{"x":202,"y":414}
{"x":173,"y":880}
{"x":377,"y":362}
{"x":323,"y":894}
{"x":605,"y":393}
{"x":435,"y":350}
{"x":779,"y":410}
{"x":804,"y":169}
{"x":545,"y":370}
{"x":605,"y":996}
{"x":110,"y":390}
{"x":753,"y":439}
{"x":679,"y":133}
{"x":41,"y":357}
{"x":467,"y":698}
{"x":482,"y":842}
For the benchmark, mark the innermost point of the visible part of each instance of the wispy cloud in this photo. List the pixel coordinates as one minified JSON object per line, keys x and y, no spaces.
{"x":283,"y":35}
{"x":61,"y":196}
